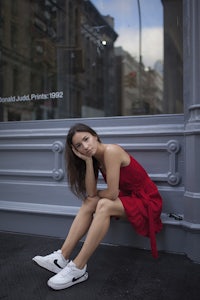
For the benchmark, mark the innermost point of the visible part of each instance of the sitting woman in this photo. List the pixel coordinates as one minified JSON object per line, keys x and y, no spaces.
{"x":130,"y":194}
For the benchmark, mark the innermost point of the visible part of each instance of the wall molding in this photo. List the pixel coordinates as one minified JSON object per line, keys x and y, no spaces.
{"x":172,"y":176}
{"x":38,"y":208}
{"x":57,"y":173}
{"x":71,"y":211}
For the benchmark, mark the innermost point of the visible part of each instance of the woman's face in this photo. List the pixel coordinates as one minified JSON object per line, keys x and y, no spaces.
{"x":85,"y":143}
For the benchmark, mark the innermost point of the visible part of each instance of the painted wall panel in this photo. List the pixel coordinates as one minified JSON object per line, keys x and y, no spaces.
{"x":35,"y":197}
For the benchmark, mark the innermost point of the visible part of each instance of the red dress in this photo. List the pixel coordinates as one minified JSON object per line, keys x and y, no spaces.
{"x":141,"y":200}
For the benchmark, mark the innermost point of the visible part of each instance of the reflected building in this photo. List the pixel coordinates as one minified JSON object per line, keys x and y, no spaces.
{"x":173,"y":56}
{"x":28,"y":61}
{"x":152,"y":92}
{"x":59,"y":60}
{"x":56,"y":47}
{"x":86,"y":61}
{"x":127,"y":85}
{"x":139,"y":90}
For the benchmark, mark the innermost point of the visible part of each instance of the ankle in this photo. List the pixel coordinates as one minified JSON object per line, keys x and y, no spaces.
{"x":64,"y":257}
{"x":78,"y":265}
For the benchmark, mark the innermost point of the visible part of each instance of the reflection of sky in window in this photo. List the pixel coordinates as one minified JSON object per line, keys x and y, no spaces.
{"x":126,"y":20}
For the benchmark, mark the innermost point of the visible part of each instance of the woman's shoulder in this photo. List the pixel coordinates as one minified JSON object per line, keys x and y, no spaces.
{"x":117,"y":152}
{"x":112,"y":151}
{"x":113,"y":148}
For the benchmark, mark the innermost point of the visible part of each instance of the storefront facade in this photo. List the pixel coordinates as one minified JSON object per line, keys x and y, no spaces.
{"x":40,"y":101}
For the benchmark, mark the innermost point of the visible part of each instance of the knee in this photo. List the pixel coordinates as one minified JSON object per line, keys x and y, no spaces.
{"x":89,"y":206}
{"x":103,"y":206}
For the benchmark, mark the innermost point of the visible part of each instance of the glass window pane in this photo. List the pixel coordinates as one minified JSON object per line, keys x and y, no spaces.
{"x":81,"y":58}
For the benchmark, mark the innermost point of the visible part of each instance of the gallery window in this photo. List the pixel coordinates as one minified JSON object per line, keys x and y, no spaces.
{"x":90,"y":58}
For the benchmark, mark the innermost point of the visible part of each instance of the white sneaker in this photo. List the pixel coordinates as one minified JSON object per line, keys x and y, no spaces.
{"x":69,"y":276}
{"x":53,"y":262}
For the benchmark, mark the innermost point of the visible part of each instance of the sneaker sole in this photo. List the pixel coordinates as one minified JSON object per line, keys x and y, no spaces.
{"x":46,"y":266}
{"x":68,"y":284}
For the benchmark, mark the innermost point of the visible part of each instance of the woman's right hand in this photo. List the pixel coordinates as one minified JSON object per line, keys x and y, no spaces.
{"x":80,"y":155}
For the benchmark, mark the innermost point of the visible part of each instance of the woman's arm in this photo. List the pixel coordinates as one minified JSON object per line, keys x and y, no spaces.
{"x":90,"y":180}
{"x":113,"y":159}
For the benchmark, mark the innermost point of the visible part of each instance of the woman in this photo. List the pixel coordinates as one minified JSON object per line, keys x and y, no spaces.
{"x":129,"y":193}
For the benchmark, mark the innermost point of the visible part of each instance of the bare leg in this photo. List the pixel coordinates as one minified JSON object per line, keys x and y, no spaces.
{"x":79,"y":226}
{"x":99,"y":227}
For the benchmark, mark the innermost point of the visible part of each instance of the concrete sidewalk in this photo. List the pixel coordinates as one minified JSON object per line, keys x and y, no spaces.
{"x":115,"y":272}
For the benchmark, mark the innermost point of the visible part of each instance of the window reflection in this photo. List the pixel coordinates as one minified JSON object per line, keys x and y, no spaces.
{"x":81,"y":58}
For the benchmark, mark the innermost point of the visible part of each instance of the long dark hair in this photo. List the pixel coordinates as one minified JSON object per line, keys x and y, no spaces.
{"x":75,"y":166}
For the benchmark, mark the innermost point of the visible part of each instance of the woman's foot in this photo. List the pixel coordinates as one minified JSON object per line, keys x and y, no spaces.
{"x":69,"y":276}
{"x":53,"y":262}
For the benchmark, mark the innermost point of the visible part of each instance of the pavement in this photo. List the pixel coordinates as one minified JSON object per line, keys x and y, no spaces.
{"x":115,"y":272}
